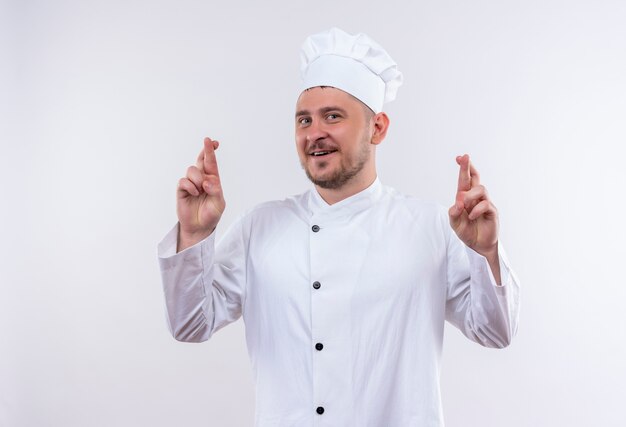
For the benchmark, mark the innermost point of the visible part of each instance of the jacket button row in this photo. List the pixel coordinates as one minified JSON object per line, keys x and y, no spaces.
{"x":315,"y":228}
{"x":320,"y":410}
{"x":316,"y":285}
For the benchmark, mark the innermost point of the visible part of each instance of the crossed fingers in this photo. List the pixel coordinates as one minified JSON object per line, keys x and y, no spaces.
{"x":468,"y":175}
{"x":206,"y":161}
{"x":197,"y":178}
{"x":471,"y":196}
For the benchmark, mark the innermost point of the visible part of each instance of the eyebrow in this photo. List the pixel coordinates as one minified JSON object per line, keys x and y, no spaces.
{"x":322,"y":110}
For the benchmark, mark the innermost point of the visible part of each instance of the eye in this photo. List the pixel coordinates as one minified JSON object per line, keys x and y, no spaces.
{"x":332,"y":116}
{"x":303,"y":121}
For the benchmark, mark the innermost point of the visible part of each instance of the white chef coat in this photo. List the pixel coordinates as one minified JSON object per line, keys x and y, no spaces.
{"x":344,"y":304}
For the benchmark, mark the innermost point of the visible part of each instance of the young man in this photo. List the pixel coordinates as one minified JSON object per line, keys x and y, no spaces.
{"x":344,"y":289}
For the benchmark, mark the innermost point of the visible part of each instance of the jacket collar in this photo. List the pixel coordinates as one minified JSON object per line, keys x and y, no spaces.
{"x":349,"y":206}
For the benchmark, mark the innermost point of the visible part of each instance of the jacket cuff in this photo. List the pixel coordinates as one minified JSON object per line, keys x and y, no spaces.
{"x":479,"y":265}
{"x":166,"y":249}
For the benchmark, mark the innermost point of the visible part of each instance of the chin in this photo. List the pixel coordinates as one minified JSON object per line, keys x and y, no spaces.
{"x":328,"y":181}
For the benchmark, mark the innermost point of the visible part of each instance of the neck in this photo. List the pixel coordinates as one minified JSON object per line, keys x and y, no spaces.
{"x":335,"y":195}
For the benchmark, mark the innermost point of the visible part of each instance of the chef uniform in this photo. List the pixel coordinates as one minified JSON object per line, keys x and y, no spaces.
{"x":344,"y":304}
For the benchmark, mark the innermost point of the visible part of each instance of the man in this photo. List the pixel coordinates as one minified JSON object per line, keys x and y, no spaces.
{"x":344,"y":289}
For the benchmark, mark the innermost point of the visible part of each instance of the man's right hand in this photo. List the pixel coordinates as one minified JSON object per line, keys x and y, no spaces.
{"x":199,"y":198}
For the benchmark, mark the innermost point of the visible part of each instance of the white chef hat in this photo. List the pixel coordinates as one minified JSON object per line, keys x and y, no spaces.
{"x":353,"y":63}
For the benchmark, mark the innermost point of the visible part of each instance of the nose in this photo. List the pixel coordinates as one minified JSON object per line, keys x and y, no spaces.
{"x":316,"y":131}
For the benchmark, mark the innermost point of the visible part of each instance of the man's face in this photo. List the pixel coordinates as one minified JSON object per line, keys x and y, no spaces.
{"x":333,"y":133}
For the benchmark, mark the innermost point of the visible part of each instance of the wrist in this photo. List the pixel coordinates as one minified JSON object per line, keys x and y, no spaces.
{"x":490,"y":253}
{"x":187,"y":239}
{"x":493,"y":259}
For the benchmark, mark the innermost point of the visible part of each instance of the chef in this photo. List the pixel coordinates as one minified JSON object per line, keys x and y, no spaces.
{"x":344,"y":289}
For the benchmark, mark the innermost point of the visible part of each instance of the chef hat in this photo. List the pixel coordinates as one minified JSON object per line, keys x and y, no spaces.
{"x":353,"y":63}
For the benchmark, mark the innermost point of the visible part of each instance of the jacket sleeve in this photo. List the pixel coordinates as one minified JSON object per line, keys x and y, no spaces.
{"x":482,"y":310}
{"x":203,"y":291}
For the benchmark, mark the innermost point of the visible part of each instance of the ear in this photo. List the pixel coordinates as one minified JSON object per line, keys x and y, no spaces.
{"x":381,"y":124}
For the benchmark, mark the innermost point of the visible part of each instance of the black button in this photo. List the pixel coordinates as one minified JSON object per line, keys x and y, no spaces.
{"x":315,"y":228}
{"x":316,"y":285}
{"x":320,"y":410}
{"x":319,"y":346}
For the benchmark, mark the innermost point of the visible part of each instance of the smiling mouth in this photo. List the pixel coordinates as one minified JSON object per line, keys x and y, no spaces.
{"x":322,"y":153}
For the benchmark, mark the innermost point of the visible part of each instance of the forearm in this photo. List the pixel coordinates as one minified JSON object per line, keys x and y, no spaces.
{"x":494,"y":299}
{"x":187,"y":240}
{"x":493,"y":259}
{"x":184,"y":274}
{"x":203,"y":286}
{"x":483,"y":305}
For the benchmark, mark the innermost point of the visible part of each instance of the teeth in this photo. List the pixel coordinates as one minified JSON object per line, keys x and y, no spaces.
{"x":321,"y":153}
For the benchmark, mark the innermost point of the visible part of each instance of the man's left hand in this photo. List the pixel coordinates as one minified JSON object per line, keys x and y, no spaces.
{"x":473,"y":217}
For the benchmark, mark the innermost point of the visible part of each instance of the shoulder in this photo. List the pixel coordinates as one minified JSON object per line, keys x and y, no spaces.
{"x":414,"y":213}
{"x":266,"y":218}
{"x":412,"y":204}
{"x":275,"y":209}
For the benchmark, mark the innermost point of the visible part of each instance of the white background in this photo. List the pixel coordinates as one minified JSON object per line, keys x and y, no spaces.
{"x":103,"y":105}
